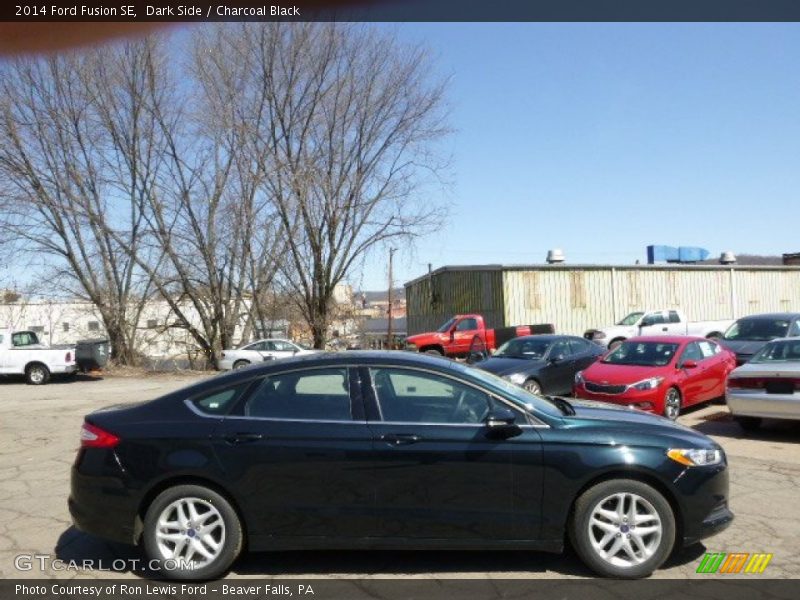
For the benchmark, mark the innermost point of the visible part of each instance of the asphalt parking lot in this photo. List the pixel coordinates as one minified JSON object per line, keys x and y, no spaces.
{"x":40,"y":427}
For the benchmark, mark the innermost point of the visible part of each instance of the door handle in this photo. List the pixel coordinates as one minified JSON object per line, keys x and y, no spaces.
{"x":243,"y":438}
{"x":400,"y":439}
{"x":664,"y":329}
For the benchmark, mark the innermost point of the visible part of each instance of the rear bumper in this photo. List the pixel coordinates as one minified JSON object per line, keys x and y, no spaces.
{"x":757,"y":403}
{"x":102,"y":506}
{"x":64,"y":369}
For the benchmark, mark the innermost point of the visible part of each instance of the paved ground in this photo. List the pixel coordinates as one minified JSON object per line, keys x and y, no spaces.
{"x":39,"y":434}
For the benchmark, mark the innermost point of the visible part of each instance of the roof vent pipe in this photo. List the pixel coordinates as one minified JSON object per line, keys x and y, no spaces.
{"x":727,"y":258}
{"x":555,"y":256}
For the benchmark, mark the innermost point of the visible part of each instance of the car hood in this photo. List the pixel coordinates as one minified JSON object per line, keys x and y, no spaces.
{"x":743,"y":346}
{"x":504,"y":366}
{"x":633,"y":425}
{"x":620,"y":374}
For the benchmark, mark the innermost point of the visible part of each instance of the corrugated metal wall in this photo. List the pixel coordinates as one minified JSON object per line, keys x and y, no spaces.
{"x":579,"y":298}
{"x":430,"y":301}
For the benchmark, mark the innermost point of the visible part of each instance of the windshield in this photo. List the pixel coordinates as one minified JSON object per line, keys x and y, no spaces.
{"x":643,"y":354}
{"x":631,"y":319}
{"x":446,"y":327}
{"x":757,"y":330}
{"x":778,"y":351}
{"x":525,"y":400}
{"x":523,"y":348}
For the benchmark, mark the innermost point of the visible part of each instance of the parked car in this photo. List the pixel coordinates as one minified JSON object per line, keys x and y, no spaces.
{"x":658,"y":374}
{"x":768,"y":386}
{"x":749,"y":334}
{"x":391,"y":450}
{"x":259,"y":351}
{"x":461,"y":333}
{"x":655,"y":322}
{"x":542,"y":364}
{"x":21,"y":353}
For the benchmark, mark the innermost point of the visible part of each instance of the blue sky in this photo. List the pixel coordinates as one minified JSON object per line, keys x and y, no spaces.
{"x":603,"y":138}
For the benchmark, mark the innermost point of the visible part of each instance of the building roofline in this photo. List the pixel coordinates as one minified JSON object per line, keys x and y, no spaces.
{"x":602,"y":267}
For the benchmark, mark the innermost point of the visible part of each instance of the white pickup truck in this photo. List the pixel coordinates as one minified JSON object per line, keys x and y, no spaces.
{"x":655,"y":322}
{"x":21,"y":353}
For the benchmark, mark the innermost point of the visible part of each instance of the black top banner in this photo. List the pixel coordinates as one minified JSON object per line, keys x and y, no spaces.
{"x":403,"y":10}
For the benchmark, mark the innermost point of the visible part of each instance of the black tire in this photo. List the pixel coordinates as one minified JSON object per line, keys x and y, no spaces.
{"x":579,"y":528}
{"x":748,"y":423}
{"x":37,"y":374}
{"x":533,"y":386}
{"x":231,"y":544}
{"x":241,"y":364}
{"x":615,"y":342}
{"x":671,"y":396}
{"x":434,"y":352}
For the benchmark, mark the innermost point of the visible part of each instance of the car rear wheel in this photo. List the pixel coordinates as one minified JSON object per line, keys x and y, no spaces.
{"x":37,"y":374}
{"x":748,"y":423}
{"x":191,"y":532}
{"x":672,"y":403}
{"x":622,"y":528}
{"x":241,"y":364}
{"x":533,"y":387}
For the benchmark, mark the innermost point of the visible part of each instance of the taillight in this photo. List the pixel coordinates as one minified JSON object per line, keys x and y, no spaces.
{"x":94,"y":437}
{"x":68,"y":357}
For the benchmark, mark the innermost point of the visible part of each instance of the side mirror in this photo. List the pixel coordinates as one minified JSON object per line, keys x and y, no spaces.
{"x":689,"y":364}
{"x":646,"y":323}
{"x":475,"y":356}
{"x":501,"y":423}
{"x":556,"y":359}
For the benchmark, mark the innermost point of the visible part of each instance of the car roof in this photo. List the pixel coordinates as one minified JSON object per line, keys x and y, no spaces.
{"x":547,"y":337}
{"x":777,"y":315}
{"x":667,"y":339}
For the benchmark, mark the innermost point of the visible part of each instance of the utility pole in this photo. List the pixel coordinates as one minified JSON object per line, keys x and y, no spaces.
{"x":389,"y":312}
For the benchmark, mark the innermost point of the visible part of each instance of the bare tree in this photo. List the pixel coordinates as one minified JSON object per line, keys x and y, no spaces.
{"x":77,"y":153}
{"x":346,"y":121}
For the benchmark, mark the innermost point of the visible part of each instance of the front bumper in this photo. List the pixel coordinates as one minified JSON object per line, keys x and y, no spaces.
{"x":651,"y":401}
{"x":703,"y":494}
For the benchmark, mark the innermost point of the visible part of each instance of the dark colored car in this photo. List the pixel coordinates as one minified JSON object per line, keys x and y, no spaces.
{"x":750,"y":334}
{"x":542,"y":364}
{"x":391,"y":450}
{"x":660,"y":374}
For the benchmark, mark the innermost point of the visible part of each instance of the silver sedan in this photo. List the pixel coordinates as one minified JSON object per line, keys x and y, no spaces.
{"x":767,"y":387}
{"x":260,"y":351}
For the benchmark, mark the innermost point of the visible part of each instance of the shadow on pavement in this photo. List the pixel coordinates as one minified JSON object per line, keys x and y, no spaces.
{"x":721,"y":424}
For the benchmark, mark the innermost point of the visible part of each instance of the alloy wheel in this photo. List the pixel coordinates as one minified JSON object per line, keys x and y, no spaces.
{"x":533,"y":387}
{"x":625,"y":530}
{"x":191,"y":530}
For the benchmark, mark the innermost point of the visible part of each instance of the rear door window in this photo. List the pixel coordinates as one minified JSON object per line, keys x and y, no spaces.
{"x":314,"y":394}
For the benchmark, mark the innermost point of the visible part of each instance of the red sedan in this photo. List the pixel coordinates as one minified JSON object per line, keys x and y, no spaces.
{"x":659,"y":374}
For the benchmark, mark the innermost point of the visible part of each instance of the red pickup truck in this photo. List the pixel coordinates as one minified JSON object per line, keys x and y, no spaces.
{"x":461,"y":333}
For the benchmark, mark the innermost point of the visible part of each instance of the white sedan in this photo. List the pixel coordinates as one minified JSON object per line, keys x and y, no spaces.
{"x":260,"y":351}
{"x":768,"y":386}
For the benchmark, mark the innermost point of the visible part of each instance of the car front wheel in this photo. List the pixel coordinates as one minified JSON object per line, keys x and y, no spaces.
{"x":672,"y":403}
{"x":241,"y":364}
{"x":191,"y":532}
{"x":622,"y":528}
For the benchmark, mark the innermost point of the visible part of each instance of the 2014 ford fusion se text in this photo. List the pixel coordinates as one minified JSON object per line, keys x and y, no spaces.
{"x":391,"y":450}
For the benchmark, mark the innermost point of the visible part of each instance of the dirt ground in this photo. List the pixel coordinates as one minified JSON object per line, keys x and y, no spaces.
{"x":39,"y":429}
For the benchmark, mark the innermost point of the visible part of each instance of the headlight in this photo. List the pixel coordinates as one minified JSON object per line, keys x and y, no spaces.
{"x":579,"y":377}
{"x":598,"y":335}
{"x":517,"y":378}
{"x":648,"y":384}
{"x":695,"y":457}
